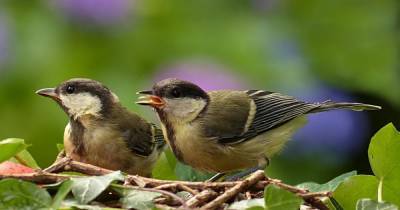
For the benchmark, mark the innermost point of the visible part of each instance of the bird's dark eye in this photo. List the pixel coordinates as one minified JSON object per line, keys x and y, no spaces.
{"x":176,"y":93}
{"x":70,"y":89}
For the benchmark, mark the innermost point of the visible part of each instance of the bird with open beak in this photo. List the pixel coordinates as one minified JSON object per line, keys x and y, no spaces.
{"x":102,"y":132}
{"x":227,"y":130}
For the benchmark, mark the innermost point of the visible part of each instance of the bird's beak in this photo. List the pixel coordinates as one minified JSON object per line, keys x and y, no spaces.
{"x":149,"y":99}
{"x":48,"y":92}
{"x":145,"y":92}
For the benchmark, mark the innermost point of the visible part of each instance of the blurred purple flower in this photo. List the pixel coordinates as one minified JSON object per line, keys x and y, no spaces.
{"x":208,"y":76}
{"x":337,"y":132}
{"x":101,"y":12}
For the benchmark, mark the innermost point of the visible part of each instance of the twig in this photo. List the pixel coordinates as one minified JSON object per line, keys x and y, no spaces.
{"x":315,"y":195}
{"x":58,"y":165}
{"x":167,"y":201}
{"x":176,"y":186}
{"x":149,"y":182}
{"x":248,"y":195}
{"x":163,"y":192}
{"x":311,"y":198}
{"x":287,"y":187}
{"x":201,"y":198}
{"x":88,"y":169}
{"x":187,"y":189}
{"x":145,"y":181}
{"x":317,"y":203}
{"x":41,"y":177}
{"x":254,"y":178}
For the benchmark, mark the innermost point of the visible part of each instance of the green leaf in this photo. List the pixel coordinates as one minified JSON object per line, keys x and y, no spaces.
{"x":257,"y":203}
{"x":383,"y":156}
{"x":355,"y":188}
{"x":138,"y":199}
{"x":164,"y":169}
{"x":277,"y":199}
{"x":18,"y":194}
{"x":329,"y":186}
{"x":62,"y":192}
{"x":86,"y":189}
{"x":10,"y":147}
{"x":187,"y":173}
{"x":73,"y":204}
{"x":25,"y":158}
{"x":60,"y":147}
{"x":368,"y":204}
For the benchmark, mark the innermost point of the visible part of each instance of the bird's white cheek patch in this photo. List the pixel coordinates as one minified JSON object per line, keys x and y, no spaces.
{"x":81,"y":104}
{"x":184,"y":109}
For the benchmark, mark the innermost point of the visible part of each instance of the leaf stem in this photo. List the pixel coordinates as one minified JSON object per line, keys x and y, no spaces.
{"x":380,"y":190}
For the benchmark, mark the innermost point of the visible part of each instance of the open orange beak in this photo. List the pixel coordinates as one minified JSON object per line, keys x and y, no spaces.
{"x":150,"y":100}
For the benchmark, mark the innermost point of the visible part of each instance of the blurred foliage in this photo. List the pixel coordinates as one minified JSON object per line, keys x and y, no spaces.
{"x":280,"y":45}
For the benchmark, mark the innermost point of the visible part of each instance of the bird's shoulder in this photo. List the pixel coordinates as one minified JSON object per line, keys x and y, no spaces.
{"x":140,"y":136}
{"x":226,"y":114}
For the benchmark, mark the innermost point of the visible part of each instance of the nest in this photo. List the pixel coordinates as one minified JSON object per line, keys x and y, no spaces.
{"x":203,"y":195}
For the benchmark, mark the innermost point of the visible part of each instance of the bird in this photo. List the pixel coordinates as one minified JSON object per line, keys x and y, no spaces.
{"x":102,"y":132}
{"x":224,"y":131}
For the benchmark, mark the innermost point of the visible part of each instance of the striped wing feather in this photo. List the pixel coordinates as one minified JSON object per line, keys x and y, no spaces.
{"x":272,"y":109}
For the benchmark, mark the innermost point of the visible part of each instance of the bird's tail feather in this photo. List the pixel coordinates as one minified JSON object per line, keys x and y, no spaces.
{"x":329,"y":105}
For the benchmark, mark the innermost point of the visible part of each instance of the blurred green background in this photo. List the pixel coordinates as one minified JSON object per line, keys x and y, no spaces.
{"x":315,"y":50}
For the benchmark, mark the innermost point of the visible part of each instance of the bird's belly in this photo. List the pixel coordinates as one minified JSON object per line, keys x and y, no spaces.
{"x":105,"y":149}
{"x":207,"y":154}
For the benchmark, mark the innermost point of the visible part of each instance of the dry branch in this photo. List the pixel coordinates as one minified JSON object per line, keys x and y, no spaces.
{"x":254,"y":178}
{"x":205,"y":195}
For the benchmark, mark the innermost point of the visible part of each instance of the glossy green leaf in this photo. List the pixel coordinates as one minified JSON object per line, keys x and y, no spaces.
{"x":277,"y":199}
{"x":355,"y":188}
{"x":368,"y":204}
{"x":18,"y":194}
{"x":383,"y":155}
{"x":86,"y":189}
{"x":138,"y":199}
{"x":25,"y":158}
{"x":257,"y":203}
{"x":187,"y":173}
{"x":164,"y":169}
{"x":62,"y":192}
{"x":11,"y":147}
{"x":71,"y":204}
{"x":329,"y":186}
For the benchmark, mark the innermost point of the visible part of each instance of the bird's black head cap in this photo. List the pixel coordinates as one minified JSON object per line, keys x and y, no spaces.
{"x":176,"y":88}
{"x":81,"y":85}
{"x":93,"y":87}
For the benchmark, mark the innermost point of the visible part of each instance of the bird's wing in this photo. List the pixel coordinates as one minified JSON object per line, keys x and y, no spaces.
{"x":274,"y":109}
{"x":225,"y":115}
{"x":140,"y":136}
{"x":265,"y":111}
{"x":158,"y":137}
{"x":139,"y":144}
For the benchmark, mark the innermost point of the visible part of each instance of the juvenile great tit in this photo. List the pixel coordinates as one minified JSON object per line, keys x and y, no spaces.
{"x":102,"y":132}
{"x":226,"y":130}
